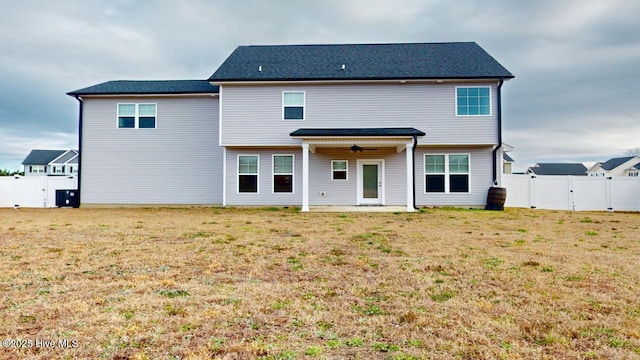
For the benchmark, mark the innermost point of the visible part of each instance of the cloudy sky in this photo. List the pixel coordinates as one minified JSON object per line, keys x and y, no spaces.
{"x":575,"y":97}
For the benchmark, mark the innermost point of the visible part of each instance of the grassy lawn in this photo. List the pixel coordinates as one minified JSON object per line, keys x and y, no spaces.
{"x":277,"y":284}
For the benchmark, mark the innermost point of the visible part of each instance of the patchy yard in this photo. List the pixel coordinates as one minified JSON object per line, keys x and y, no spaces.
{"x":276,"y":284}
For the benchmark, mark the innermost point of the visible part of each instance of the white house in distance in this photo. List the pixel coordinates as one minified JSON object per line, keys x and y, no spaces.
{"x":413,"y":124}
{"x":622,"y":166}
{"x":51,"y":163}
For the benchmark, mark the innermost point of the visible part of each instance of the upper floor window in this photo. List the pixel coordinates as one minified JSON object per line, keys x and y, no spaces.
{"x":473,"y":101}
{"x":293,"y":105}
{"x":136,"y":116}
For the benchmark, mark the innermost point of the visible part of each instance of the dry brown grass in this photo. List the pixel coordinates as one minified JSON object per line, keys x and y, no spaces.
{"x":277,"y":284}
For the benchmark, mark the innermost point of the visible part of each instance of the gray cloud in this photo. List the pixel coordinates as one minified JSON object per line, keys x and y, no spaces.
{"x":576,"y":62}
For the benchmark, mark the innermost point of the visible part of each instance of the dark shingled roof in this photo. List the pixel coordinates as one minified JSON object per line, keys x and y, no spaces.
{"x":559,"y":169}
{"x":42,"y":157}
{"x":358,"y":132}
{"x":506,"y":157}
{"x":615,"y":162}
{"x":141,"y":87}
{"x":456,"y":60}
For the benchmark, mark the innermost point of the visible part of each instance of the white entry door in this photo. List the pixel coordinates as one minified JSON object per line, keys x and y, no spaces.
{"x":370,"y":182}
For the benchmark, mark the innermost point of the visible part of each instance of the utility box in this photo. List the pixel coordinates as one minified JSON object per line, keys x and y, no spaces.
{"x":67,"y":198}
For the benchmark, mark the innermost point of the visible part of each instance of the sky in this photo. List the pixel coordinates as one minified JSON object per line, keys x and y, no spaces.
{"x":574,"y":97}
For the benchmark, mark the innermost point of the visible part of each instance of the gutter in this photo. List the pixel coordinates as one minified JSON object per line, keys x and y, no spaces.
{"x":413,"y":170}
{"x":495,"y":151}
{"x":81,"y":105}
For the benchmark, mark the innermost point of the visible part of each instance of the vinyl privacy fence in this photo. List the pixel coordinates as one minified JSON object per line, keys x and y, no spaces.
{"x":573,"y":192}
{"x":33,"y":191}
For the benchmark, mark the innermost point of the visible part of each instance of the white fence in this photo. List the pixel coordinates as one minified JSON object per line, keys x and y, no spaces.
{"x":33,"y":191}
{"x":572,"y":192}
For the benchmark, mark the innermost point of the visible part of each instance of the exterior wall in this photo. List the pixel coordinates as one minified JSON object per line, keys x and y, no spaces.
{"x":480,"y":177}
{"x":265,"y":194}
{"x":344,"y":192}
{"x":337,"y":192}
{"x":178,"y":162}
{"x":427,"y":107}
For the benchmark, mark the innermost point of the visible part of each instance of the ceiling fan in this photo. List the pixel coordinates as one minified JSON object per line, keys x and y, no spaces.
{"x":356,"y":149}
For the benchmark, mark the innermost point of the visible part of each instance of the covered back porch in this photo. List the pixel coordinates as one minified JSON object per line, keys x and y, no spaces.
{"x":368,"y":167}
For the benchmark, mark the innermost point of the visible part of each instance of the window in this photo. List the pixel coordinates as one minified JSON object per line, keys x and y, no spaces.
{"x":58,"y":169}
{"x":473,"y":101}
{"x":446,"y":173}
{"x":434,"y":173}
{"x":459,"y":173}
{"x":38,"y":169}
{"x":136,"y":116}
{"x":339,"y":169}
{"x":282,"y":173}
{"x":248,"y":173}
{"x":293,"y":105}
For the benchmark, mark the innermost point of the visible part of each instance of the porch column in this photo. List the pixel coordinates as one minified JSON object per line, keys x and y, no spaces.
{"x":305,"y":177}
{"x":410,"y":175}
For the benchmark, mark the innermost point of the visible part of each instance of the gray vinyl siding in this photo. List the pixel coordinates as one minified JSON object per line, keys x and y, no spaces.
{"x":265,"y":195}
{"x":338,"y":192}
{"x":178,"y":162}
{"x":252,"y":115}
{"x":480,"y":177}
{"x":344,"y":192}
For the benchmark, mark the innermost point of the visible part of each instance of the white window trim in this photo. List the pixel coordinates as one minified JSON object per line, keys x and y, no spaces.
{"x":38,"y":169}
{"x":455,"y":96}
{"x":293,"y":174}
{"x":304,"y":104}
{"x":238,"y":175}
{"x":136,"y":117}
{"x":446,"y":173}
{"x":346,"y":170}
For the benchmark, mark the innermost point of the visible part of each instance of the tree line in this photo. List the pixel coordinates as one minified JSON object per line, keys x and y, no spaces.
{"x":7,"y":172}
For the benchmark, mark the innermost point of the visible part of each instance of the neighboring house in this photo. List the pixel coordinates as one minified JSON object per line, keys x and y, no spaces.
{"x":507,"y":164}
{"x":305,"y":125}
{"x":622,"y":166}
{"x":574,"y":169}
{"x":51,"y":162}
{"x":507,"y":161}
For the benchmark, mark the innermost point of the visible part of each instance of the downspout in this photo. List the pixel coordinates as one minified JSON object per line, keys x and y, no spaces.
{"x":79,"y":148}
{"x":495,"y":151}
{"x":413,"y":170}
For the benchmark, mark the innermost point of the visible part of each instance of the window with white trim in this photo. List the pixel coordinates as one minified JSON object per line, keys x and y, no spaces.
{"x":473,"y":101}
{"x":339,"y":169}
{"x":248,"y":173}
{"x":293,"y":105}
{"x":37,"y":169}
{"x":282,"y":173}
{"x":58,"y":169}
{"x":446,"y":173}
{"x":137,"y":116}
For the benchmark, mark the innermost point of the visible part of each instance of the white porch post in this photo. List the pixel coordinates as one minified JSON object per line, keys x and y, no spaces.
{"x":305,"y":177}
{"x":410,"y":175}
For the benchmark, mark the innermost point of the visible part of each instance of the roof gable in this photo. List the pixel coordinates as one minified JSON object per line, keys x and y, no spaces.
{"x":458,"y":60}
{"x":615,"y":162}
{"x":143,"y":87}
{"x":42,"y":157}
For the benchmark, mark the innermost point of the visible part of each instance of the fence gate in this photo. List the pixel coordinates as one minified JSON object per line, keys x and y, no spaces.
{"x":572,"y":192}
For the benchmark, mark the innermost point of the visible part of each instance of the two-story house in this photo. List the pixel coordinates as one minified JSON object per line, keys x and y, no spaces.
{"x":51,"y":162}
{"x":620,"y":166}
{"x":304,"y":125}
